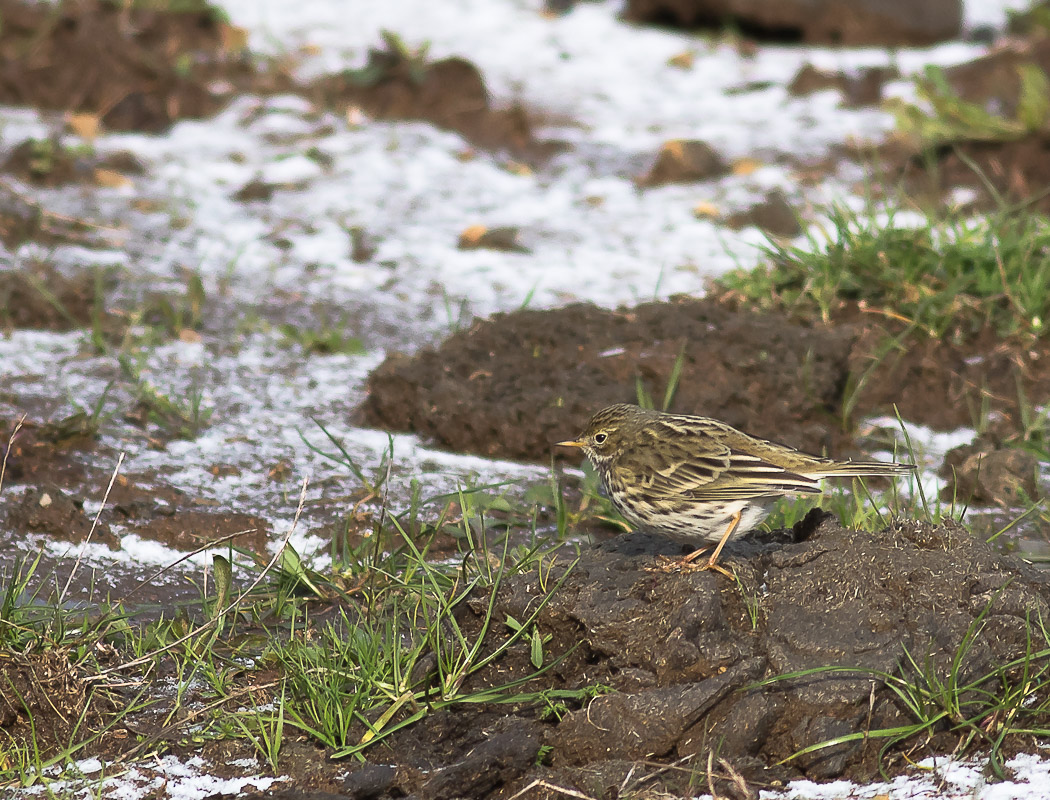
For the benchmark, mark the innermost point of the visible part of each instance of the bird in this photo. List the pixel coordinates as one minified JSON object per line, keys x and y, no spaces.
{"x":697,"y":480}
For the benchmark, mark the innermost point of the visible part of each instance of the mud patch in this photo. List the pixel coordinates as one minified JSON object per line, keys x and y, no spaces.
{"x":50,"y":163}
{"x":190,"y":529}
{"x":136,"y":68}
{"x":1005,"y":166}
{"x":398,"y":83}
{"x":161,"y":514}
{"x":683,"y":651}
{"x":1018,"y":172}
{"x":512,"y":385}
{"x":49,"y":460}
{"x":43,"y":701}
{"x":46,"y":452}
{"x":49,"y":510}
{"x":658,"y":669}
{"x":40,"y":297}
{"x":680,"y":655}
{"x":950,"y":383}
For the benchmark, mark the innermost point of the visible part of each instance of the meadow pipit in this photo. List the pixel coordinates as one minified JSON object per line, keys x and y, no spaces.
{"x":695,"y":479}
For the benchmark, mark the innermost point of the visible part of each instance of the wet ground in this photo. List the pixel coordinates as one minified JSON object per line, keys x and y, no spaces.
{"x":216,"y":308}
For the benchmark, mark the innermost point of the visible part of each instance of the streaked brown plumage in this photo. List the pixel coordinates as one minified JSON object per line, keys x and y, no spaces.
{"x":697,"y":480}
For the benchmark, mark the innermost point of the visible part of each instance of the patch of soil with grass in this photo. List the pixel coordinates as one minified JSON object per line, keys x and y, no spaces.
{"x":683,"y":651}
{"x":1006,"y":169}
{"x":512,"y":385}
{"x":655,"y":669}
{"x":61,"y":467}
{"x":45,"y":452}
{"x":24,"y":220}
{"x":189,"y":529}
{"x":46,"y":703}
{"x":49,"y":163}
{"x":1010,"y":172}
{"x":950,"y":383}
{"x":40,"y":297}
{"x":135,"y":68}
{"x":399,"y":83}
{"x":158,"y":514}
{"x":668,"y":666}
{"x":138,"y":68}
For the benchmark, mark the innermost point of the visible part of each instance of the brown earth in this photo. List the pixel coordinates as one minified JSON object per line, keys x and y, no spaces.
{"x":1018,"y":172}
{"x":680,"y":655}
{"x":40,"y":297}
{"x":1010,"y":170}
{"x":62,"y":467}
{"x":133,"y":67}
{"x":512,"y":385}
{"x":139,"y":68}
{"x":45,"y":702}
{"x":678,"y":651}
{"x":47,"y":162}
{"x":450,"y":93}
{"x":838,"y":22}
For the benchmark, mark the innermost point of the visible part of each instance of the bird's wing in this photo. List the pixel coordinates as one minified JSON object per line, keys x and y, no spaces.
{"x":750,"y":476}
{"x":719,"y":473}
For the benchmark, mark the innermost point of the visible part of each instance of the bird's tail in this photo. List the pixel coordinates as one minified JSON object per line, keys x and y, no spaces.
{"x":845,"y":469}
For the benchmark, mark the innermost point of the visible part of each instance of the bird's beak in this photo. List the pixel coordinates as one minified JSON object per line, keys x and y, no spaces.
{"x":572,"y":443}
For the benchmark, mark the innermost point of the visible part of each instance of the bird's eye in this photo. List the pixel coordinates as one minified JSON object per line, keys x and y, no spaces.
{"x":599,"y":438}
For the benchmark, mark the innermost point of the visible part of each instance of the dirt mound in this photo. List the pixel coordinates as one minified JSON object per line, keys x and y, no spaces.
{"x":40,"y":297}
{"x":684,"y":650}
{"x":1002,"y":168}
{"x":137,"y":68}
{"x":679,"y":657}
{"x":512,"y":385}
{"x":399,"y":83}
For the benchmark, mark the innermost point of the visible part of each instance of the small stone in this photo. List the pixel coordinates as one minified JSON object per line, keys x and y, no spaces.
{"x":773,"y":215}
{"x":810,"y":79}
{"x":1003,"y":477}
{"x":684,"y":161}
{"x":480,"y":237}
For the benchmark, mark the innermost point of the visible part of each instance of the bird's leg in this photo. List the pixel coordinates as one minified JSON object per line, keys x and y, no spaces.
{"x":712,"y":562}
{"x":685,"y":564}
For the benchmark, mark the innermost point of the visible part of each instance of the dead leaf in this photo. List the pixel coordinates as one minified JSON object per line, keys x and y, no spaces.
{"x":746,"y":166}
{"x":705,"y":210}
{"x":682,"y":60}
{"x":111,"y":179}
{"x":85,"y":125}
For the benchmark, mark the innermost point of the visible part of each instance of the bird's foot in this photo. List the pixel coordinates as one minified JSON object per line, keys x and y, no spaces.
{"x":685,"y":565}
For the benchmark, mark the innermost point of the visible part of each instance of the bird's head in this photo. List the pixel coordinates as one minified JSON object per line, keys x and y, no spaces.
{"x":608,"y":431}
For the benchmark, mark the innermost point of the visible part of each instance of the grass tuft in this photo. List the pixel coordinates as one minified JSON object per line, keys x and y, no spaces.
{"x":945,"y":277}
{"x":942,"y":116}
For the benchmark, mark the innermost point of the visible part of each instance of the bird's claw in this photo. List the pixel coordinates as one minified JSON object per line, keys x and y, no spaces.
{"x":668,"y":565}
